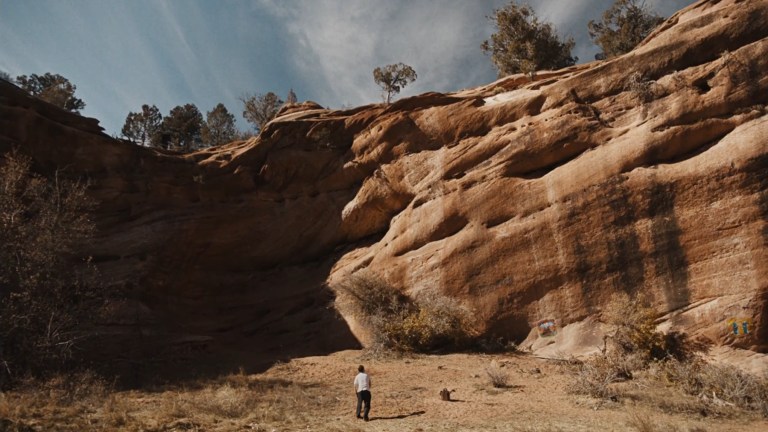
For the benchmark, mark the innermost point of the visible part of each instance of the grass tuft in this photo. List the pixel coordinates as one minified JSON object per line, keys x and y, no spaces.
{"x":497,"y":375}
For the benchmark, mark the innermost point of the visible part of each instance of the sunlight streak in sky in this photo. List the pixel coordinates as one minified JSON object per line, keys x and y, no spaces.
{"x":122,"y":54}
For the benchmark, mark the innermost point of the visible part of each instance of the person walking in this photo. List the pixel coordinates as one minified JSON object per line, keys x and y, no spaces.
{"x":363,"y":390}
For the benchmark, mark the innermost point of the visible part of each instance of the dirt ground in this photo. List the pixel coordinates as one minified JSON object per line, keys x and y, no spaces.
{"x":406,"y":397}
{"x":316,"y":394}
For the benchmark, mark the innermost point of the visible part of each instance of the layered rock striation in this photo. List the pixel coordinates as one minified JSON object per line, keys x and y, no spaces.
{"x":525,"y":199}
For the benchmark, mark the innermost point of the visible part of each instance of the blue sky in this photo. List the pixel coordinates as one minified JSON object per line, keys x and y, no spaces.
{"x":124,"y":53}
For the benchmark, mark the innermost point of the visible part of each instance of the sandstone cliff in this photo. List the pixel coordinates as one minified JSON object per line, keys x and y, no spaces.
{"x":525,"y":199}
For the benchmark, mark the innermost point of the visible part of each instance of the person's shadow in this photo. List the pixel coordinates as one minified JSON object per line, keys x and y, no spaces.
{"x":399,"y":417}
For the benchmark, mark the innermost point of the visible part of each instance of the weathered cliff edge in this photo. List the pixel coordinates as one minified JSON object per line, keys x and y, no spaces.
{"x":525,"y":199}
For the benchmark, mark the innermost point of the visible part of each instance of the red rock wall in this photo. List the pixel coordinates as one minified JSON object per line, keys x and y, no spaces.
{"x":525,"y":199}
{"x":538,"y":200}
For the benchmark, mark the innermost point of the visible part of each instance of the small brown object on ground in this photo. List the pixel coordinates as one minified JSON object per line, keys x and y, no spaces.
{"x":445,"y":394}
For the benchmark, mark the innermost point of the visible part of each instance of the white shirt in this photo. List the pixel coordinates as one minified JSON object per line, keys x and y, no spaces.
{"x":362,"y":382}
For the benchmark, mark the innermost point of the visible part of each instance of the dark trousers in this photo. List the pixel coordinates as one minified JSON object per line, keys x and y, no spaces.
{"x":364,"y":396}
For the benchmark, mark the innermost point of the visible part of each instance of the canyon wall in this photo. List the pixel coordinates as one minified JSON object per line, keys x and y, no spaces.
{"x":526,"y":199}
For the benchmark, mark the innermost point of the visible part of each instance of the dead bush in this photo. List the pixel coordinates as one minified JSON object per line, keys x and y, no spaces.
{"x":370,"y":295}
{"x":635,"y":332}
{"x":397,"y":322}
{"x":634,"y":345}
{"x":641,"y":87}
{"x":718,"y":385}
{"x":622,"y":365}
{"x":435,"y":322}
{"x":592,"y":380}
{"x":497,"y":375}
{"x":46,"y":291}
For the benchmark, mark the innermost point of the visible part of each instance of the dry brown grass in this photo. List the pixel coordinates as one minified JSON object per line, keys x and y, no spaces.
{"x":592,"y":380}
{"x":642,"y":422}
{"x":689,"y":387}
{"x":647,"y":422}
{"x":315,"y":394}
{"x":664,"y":360}
{"x":231,"y":402}
{"x":716,"y":385}
{"x":650,"y":360}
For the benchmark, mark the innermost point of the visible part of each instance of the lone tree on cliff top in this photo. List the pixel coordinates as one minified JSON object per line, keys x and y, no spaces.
{"x":392,"y":78}
{"x":52,"y":88}
{"x":623,"y":27}
{"x":523,"y":44}
{"x":259,"y":109}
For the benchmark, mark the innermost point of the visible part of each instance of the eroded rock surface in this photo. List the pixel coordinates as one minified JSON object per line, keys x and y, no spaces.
{"x":524,"y":199}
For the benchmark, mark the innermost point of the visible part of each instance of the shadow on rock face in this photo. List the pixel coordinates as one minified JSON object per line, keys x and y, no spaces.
{"x":757,"y":179}
{"x":245,"y":325}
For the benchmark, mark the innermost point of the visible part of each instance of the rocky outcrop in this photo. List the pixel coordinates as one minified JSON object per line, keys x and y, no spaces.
{"x":526,"y":199}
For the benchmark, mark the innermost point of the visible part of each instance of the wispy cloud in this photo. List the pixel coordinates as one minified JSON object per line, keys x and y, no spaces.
{"x":122,"y":54}
{"x":338,"y":44}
